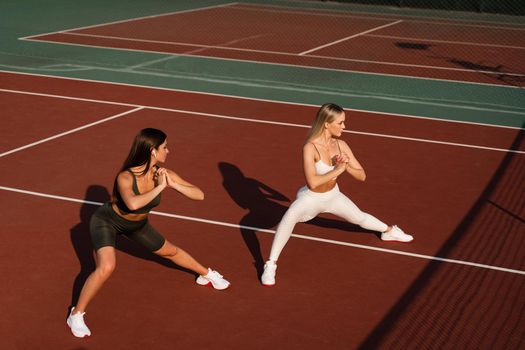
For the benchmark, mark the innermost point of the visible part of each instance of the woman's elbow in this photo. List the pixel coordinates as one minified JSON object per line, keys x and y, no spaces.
{"x":198,"y":195}
{"x":132,"y":205}
{"x":311,"y":184}
{"x":359,"y":176}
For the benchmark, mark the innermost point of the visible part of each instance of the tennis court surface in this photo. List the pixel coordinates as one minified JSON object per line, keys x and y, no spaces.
{"x":435,"y":113}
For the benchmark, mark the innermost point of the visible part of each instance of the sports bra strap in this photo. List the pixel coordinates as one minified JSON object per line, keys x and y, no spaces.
{"x":316,"y":150}
{"x":338,"y":146}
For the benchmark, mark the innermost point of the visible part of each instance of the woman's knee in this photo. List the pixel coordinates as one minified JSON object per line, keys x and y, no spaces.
{"x":106,"y":268}
{"x":360,"y":218}
{"x":300,"y":213}
{"x":106,"y":261}
{"x":168,"y":250}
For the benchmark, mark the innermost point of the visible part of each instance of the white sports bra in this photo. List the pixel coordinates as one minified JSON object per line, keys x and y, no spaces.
{"x":321,"y":167}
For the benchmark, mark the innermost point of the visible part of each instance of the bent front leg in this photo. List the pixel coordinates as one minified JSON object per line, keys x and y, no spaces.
{"x":304,"y":208}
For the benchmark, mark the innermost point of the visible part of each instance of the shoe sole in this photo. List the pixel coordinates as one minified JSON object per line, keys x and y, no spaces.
{"x":396,"y":240}
{"x":209,"y":284}
{"x":268,"y":285}
{"x":78,"y":336}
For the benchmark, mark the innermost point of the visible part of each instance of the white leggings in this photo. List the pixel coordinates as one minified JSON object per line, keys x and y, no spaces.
{"x":309,"y":204}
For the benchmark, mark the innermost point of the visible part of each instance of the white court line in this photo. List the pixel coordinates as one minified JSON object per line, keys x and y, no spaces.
{"x":141,"y":65}
{"x":178,"y":43}
{"x":256,"y":99}
{"x":287,"y":64}
{"x":385,"y":63}
{"x":260,"y":121}
{"x":308,"y":88}
{"x":133,"y":19}
{"x":70,"y":131}
{"x":228,"y":48}
{"x":349,"y":37}
{"x":329,"y":241}
{"x":444,"y":41}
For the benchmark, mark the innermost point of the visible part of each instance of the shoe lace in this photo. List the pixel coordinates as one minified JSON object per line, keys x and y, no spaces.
{"x":79,"y":315}
{"x":270,"y":267}
{"x":399,"y":231}
{"x":215,"y":275}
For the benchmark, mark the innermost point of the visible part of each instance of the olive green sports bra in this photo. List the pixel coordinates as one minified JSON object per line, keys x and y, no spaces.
{"x":145,"y":209}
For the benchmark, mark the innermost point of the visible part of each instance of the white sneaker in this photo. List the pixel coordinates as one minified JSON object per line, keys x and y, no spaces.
{"x":77,"y":325}
{"x":268,"y":276}
{"x":214,"y":279}
{"x":396,"y":234}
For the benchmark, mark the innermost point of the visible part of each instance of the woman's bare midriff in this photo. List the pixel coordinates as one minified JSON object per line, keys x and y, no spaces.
{"x":127,"y":216}
{"x":324,"y":187}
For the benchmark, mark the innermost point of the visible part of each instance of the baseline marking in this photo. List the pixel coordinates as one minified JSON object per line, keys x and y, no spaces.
{"x":228,"y":48}
{"x":349,"y":37}
{"x":282,"y":102}
{"x":329,"y":241}
{"x":221,"y":116}
{"x":291,"y":65}
{"x":418,"y":100}
{"x":70,"y":131}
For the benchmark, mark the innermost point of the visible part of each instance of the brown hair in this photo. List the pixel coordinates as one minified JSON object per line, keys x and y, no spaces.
{"x":140,"y":153}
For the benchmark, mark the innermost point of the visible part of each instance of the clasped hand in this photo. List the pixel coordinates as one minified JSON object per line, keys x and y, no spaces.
{"x":163,"y":179}
{"x":340,"y":159}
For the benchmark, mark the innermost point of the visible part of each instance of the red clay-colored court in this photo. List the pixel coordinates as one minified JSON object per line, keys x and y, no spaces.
{"x":337,"y":285}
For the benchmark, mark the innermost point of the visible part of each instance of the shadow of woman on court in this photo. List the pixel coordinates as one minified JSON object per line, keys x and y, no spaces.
{"x":259,"y":199}
{"x":264,"y":210}
{"x":81,"y":241}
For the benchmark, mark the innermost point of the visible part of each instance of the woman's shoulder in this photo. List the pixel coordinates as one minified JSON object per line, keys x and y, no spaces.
{"x":125,"y":175}
{"x":311,"y":144}
{"x":308,"y":147}
{"x":169,"y":171}
{"x":342,"y":143}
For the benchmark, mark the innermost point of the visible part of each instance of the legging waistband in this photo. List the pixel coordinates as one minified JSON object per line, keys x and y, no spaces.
{"x":318,"y":195}
{"x":107,"y":211}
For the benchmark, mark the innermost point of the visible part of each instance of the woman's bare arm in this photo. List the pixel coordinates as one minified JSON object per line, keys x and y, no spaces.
{"x":353,"y":167}
{"x":184,"y":187}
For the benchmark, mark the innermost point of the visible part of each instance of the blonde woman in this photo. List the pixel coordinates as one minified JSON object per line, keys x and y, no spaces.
{"x":325,"y":158}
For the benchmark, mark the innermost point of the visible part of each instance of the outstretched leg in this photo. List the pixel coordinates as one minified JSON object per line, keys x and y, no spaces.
{"x":180,"y":257}
{"x":343,"y":207}
{"x":206,"y":277}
